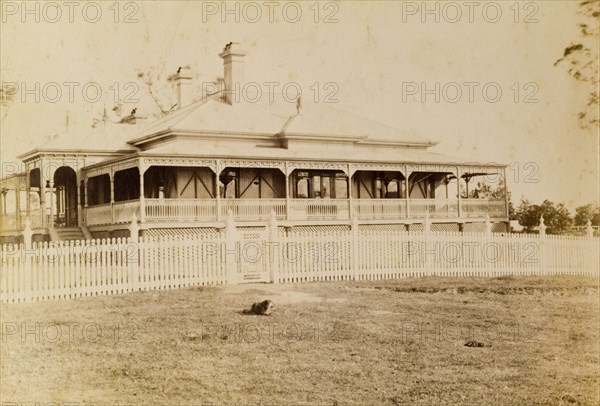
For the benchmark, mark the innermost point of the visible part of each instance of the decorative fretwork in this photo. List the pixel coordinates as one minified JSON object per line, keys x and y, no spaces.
{"x":436,"y":168}
{"x":173,"y":161}
{"x":291,"y":166}
{"x":132,"y":163}
{"x":490,"y":170}
{"x":376,"y":167}
{"x":246,"y":163}
{"x":104,"y":170}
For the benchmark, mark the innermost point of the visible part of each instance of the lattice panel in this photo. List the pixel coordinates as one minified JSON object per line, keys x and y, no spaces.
{"x":163,"y":232}
{"x":382,"y":227}
{"x":499,"y":228}
{"x":257,"y":229}
{"x":416,"y":227}
{"x":452,"y":227}
{"x":314,"y":229}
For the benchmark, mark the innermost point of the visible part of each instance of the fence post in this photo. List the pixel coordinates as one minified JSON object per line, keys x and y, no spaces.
{"x":134,"y":230}
{"x":427,"y":237}
{"x":274,"y":244}
{"x":488,"y":235}
{"x":230,"y":247}
{"x":28,"y":266}
{"x":542,"y":232}
{"x":354,"y":241}
{"x":27,"y":234}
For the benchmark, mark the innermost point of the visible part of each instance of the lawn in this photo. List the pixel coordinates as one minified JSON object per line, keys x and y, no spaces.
{"x":531,"y":341}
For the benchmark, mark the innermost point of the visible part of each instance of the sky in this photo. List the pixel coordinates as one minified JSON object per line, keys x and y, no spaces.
{"x":476,"y":76}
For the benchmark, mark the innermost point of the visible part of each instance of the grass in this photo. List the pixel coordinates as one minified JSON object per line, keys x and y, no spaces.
{"x":468,"y":341}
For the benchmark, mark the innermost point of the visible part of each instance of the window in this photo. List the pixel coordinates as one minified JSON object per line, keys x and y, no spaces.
{"x":341,"y":188}
{"x":392,"y":190}
{"x":60,"y":204}
{"x":228,"y":184}
{"x":379,"y":189}
{"x":302,"y":188}
{"x":321,"y":185}
{"x":326,"y":188}
{"x":230,"y":189}
{"x":316,"y":187}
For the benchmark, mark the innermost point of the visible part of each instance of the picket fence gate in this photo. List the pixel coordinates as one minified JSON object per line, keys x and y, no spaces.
{"x":65,"y":270}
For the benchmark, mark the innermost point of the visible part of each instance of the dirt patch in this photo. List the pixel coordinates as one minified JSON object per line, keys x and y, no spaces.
{"x":291,"y":297}
{"x":384,"y":312}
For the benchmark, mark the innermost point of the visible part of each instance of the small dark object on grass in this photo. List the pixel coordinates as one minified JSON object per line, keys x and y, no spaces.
{"x":569,"y":399}
{"x":475,"y":344}
{"x":263,"y":308}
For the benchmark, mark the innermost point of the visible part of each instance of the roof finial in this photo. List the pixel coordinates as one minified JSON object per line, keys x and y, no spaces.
{"x":298,"y":105}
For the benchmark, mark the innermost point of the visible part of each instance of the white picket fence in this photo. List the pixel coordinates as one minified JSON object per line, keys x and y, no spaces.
{"x":381,"y":254}
{"x":35,"y":272}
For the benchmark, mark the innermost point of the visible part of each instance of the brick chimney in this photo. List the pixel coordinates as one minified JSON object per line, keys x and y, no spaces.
{"x":183,"y":81}
{"x":233,"y":67}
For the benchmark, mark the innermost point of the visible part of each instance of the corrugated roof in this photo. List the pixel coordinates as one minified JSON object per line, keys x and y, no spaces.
{"x":109,"y":137}
{"x":277,"y":117}
{"x":187,"y":147}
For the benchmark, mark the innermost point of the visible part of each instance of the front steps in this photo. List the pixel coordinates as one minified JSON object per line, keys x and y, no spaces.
{"x":66,"y":234}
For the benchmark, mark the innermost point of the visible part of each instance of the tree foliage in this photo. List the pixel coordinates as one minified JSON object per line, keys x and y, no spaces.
{"x":585,"y":213}
{"x":581,"y":60}
{"x":6,"y":98}
{"x":556,"y":217}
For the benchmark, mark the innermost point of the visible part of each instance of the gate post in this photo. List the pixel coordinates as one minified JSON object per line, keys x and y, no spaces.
{"x":27,"y":234}
{"x":134,"y":230}
{"x":274,"y":248}
{"x":542,"y":231}
{"x":589,"y":229}
{"x":230,"y":248}
{"x":591,"y":252}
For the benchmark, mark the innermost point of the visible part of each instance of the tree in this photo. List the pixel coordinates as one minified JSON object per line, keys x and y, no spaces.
{"x":581,"y":58}
{"x":556,"y":217}
{"x":585,"y":213}
{"x":7,"y":96}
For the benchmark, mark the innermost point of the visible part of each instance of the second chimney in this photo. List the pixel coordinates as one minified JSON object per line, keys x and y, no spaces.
{"x":183,"y":79}
{"x":233,"y":67}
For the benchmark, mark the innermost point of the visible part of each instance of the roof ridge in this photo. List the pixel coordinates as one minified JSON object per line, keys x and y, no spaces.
{"x":175,"y":117}
{"x":287,"y":123}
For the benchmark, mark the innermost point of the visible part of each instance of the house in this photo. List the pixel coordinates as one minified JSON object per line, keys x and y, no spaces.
{"x":310,"y":164}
